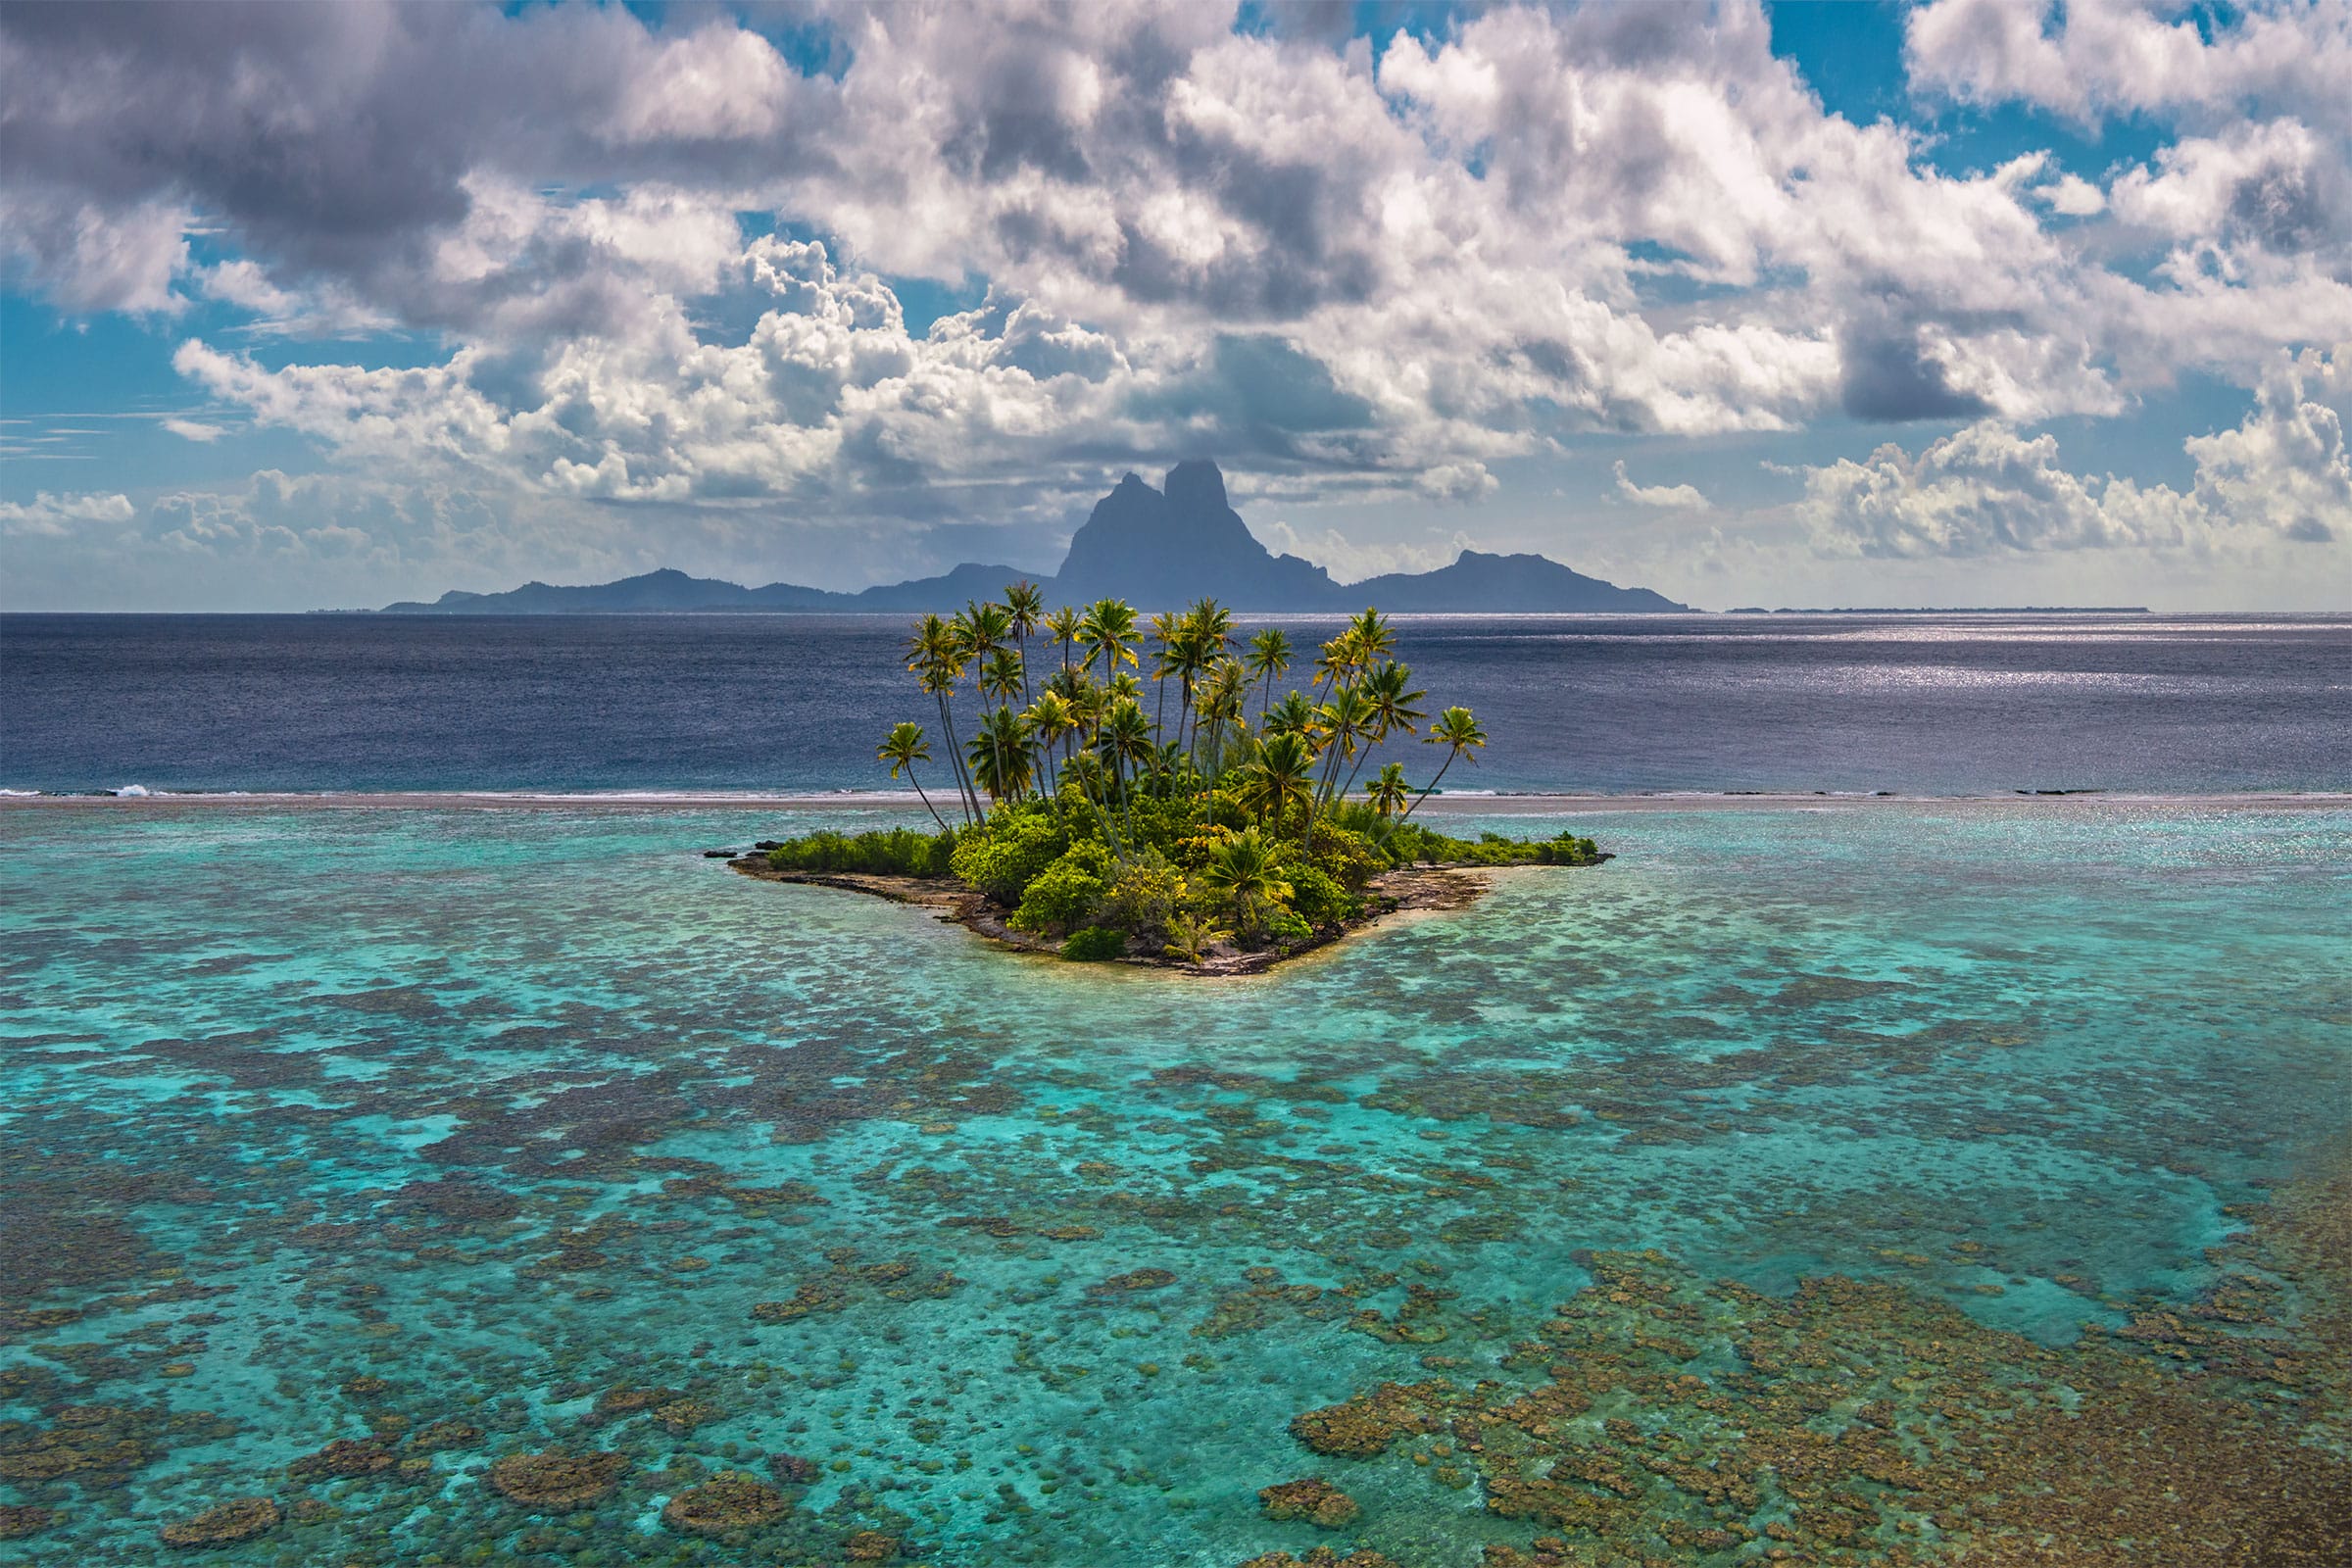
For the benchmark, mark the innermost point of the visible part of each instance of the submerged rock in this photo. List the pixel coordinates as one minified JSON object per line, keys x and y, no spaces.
{"x":728,"y":1502}
{"x":1134,"y":1280}
{"x":616,"y":1405}
{"x":21,"y":1519}
{"x":434,"y":1436}
{"x":1314,"y":1499}
{"x":226,"y":1525}
{"x":345,"y":1457}
{"x":555,"y":1482}
{"x":793,"y":1470}
{"x":1367,"y":1424}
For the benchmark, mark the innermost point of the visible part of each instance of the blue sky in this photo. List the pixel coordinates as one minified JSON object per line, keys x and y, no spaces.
{"x":1933,"y":303}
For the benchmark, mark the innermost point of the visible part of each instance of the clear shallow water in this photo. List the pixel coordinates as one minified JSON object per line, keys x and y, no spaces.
{"x":512,"y":1109}
{"x":1943,"y":706}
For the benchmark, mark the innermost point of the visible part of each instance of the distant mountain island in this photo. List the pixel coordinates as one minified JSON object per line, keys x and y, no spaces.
{"x":1157,"y":549}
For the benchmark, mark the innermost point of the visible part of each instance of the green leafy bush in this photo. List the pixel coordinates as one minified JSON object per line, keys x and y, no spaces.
{"x":1143,"y":898}
{"x":1095,"y":943}
{"x":1065,"y":893}
{"x":899,"y":852}
{"x":1276,"y":926}
{"x":1567,"y":849}
{"x":1346,"y":855}
{"x":1002,"y":856}
{"x":1316,"y":896}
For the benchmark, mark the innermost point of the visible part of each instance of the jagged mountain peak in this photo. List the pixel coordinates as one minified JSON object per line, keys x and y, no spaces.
{"x":1157,"y":549}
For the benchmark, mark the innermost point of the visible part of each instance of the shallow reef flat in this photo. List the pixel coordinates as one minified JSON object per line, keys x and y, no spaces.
{"x":1916,"y":1185}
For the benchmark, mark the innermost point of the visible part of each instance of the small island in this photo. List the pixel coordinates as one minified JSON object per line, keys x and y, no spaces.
{"x":1205,"y":824}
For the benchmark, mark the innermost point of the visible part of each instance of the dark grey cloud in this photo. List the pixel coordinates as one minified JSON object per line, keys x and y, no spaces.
{"x":1885,"y":376}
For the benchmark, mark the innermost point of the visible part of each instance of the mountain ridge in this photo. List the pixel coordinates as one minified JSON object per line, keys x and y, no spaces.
{"x":1160,"y":549}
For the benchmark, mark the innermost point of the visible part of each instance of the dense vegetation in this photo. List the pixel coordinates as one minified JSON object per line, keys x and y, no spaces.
{"x":1234,"y":822}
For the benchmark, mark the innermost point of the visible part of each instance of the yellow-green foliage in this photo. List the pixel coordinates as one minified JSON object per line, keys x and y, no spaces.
{"x":1065,"y":893}
{"x":1005,"y":854}
{"x":1145,"y":896}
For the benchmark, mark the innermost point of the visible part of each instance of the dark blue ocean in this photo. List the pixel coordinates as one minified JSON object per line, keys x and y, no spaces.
{"x":1935,"y":704}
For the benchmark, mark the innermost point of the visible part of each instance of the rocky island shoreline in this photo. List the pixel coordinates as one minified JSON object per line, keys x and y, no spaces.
{"x":1407,"y":890}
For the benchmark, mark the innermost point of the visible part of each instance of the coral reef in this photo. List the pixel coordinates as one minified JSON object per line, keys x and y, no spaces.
{"x":21,"y":1519}
{"x":241,"y":1519}
{"x":555,"y":1482}
{"x":726,"y":1502}
{"x":1861,"y":1422}
{"x":1314,"y":1499}
{"x":345,"y":1458}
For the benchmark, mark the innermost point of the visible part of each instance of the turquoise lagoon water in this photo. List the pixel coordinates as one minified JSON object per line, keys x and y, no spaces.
{"x":509,"y":1109}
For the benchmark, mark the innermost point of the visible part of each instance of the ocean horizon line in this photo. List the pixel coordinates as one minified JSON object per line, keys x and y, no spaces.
{"x":1453,"y":802}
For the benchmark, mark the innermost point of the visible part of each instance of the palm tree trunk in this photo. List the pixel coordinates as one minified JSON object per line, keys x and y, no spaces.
{"x":1361,"y":758}
{"x":963,"y":781}
{"x":924,"y":796}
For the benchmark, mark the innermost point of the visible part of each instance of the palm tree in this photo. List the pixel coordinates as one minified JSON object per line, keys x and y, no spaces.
{"x":1214,"y":622}
{"x":1001,"y":756}
{"x":1293,"y":716}
{"x":1125,"y":736}
{"x":1108,"y":633}
{"x":1384,"y":692}
{"x":937,"y":653}
{"x":1088,"y":703}
{"x":1064,"y":624}
{"x":1269,"y":655}
{"x":1457,"y":731}
{"x":1221,"y":703}
{"x":1208,"y":628}
{"x":1024,"y":608}
{"x":1279,"y":779}
{"x":1049,"y":719}
{"x":1336,"y":661}
{"x":1347,"y":718}
{"x":903,"y":747}
{"x":1387,"y":789}
{"x":1166,"y":629}
{"x":1243,"y":869}
{"x":986,"y":629}
{"x":1372,"y":634}
{"x":1191,"y":936}
{"x":1003,"y":676}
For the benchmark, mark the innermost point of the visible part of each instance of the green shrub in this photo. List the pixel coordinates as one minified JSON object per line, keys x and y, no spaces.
{"x":1316,"y":896}
{"x":1277,"y":926}
{"x":1566,"y":850}
{"x":1095,"y":943}
{"x":1064,"y":894}
{"x":1002,"y":856}
{"x":1143,"y":898}
{"x":1344,"y":853}
{"x":899,"y":852}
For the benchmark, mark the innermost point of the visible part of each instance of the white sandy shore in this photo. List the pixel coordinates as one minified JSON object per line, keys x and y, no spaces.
{"x":897,"y":803}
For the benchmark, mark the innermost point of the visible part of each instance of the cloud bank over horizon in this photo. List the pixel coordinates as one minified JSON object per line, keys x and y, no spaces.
{"x":342,"y":303}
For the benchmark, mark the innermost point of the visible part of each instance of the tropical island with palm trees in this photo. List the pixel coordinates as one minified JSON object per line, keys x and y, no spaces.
{"x":1205,"y":824}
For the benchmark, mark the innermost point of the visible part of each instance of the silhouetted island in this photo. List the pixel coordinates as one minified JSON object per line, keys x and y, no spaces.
{"x":1158,"y":548}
